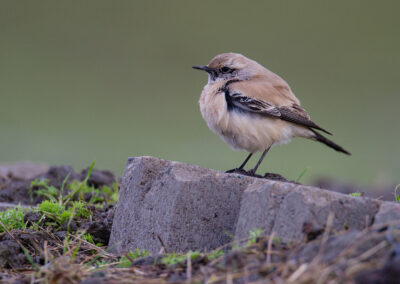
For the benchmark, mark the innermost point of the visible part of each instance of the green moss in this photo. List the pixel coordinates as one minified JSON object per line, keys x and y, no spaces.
{"x":59,"y":213}
{"x":12,"y":219}
{"x":88,"y":238}
{"x":79,"y":208}
{"x":52,"y":207}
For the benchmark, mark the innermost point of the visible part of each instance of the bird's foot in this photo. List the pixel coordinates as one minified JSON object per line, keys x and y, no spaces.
{"x":237,"y":171}
{"x":251,"y":173}
{"x":273,"y":176}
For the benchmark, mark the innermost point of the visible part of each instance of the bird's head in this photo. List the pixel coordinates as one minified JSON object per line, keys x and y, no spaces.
{"x":229,"y":66}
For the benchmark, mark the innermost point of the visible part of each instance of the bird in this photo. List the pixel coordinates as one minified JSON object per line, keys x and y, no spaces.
{"x":252,"y":109}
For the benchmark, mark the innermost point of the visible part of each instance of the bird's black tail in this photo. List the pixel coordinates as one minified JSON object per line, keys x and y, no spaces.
{"x":329,"y":143}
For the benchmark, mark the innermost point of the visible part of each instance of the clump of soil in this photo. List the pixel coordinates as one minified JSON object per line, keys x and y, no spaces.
{"x":48,"y":236}
{"x":349,"y":257}
{"x":46,"y":252}
{"x":16,"y":190}
{"x":13,"y":243}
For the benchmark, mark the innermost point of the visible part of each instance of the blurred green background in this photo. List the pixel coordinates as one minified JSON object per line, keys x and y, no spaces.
{"x":105,"y":80}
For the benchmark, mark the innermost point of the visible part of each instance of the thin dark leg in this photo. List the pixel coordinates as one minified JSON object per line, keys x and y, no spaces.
{"x":245,"y":161}
{"x":253,"y":171}
{"x":242,"y":165}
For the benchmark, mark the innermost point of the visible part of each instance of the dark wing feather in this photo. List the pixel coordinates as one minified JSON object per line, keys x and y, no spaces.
{"x":294,"y":114}
{"x":253,"y":105}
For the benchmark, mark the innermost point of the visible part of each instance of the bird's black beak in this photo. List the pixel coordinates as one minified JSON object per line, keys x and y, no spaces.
{"x":204,"y":68}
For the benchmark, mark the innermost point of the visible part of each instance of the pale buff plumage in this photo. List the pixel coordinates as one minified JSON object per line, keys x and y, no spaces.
{"x":250,"y":132}
{"x":251,"y":108}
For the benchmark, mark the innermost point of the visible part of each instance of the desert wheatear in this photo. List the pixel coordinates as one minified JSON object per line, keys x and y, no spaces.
{"x":253,"y":109}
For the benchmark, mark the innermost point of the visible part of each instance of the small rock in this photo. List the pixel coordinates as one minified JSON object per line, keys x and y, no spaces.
{"x":61,"y":234}
{"x":10,"y":256}
{"x":31,"y":218}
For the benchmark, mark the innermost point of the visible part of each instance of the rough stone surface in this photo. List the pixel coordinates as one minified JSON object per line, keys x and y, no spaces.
{"x":186,"y":207}
{"x":389,"y":213}
{"x":289,"y":210}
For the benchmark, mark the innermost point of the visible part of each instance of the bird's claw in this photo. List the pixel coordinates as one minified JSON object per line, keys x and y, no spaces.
{"x":237,"y":171}
{"x":251,"y":173}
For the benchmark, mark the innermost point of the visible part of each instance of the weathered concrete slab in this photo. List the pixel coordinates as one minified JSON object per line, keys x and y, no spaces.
{"x":186,"y":206}
{"x":189,"y":207}
{"x":288,"y":210}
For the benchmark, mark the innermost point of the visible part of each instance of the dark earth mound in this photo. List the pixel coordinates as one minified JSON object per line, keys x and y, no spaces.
{"x":17,"y":190}
{"x":60,"y":254}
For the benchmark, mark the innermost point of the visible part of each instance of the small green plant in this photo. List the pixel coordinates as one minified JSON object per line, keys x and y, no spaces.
{"x":79,"y":188}
{"x":54,"y":194}
{"x":76,"y":191}
{"x":54,"y":211}
{"x":60,"y":214}
{"x":61,"y":208}
{"x":302,"y":174}
{"x":80,"y":209}
{"x":12,"y":219}
{"x":355,"y":194}
{"x":111,"y":192}
{"x":172,"y":259}
{"x":125,"y":261}
{"x":253,"y":235}
{"x":46,"y":190}
{"x":88,"y":238}
{"x":396,"y":195}
{"x":215,"y":254}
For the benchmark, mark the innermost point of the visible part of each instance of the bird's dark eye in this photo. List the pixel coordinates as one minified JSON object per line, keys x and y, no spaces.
{"x":225,"y":69}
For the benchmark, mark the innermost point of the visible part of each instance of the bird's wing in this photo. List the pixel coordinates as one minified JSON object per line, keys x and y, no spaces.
{"x":268,"y":100}
{"x":252,"y":105}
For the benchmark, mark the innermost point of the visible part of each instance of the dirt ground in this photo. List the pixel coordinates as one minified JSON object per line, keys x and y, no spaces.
{"x":60,"y":254}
